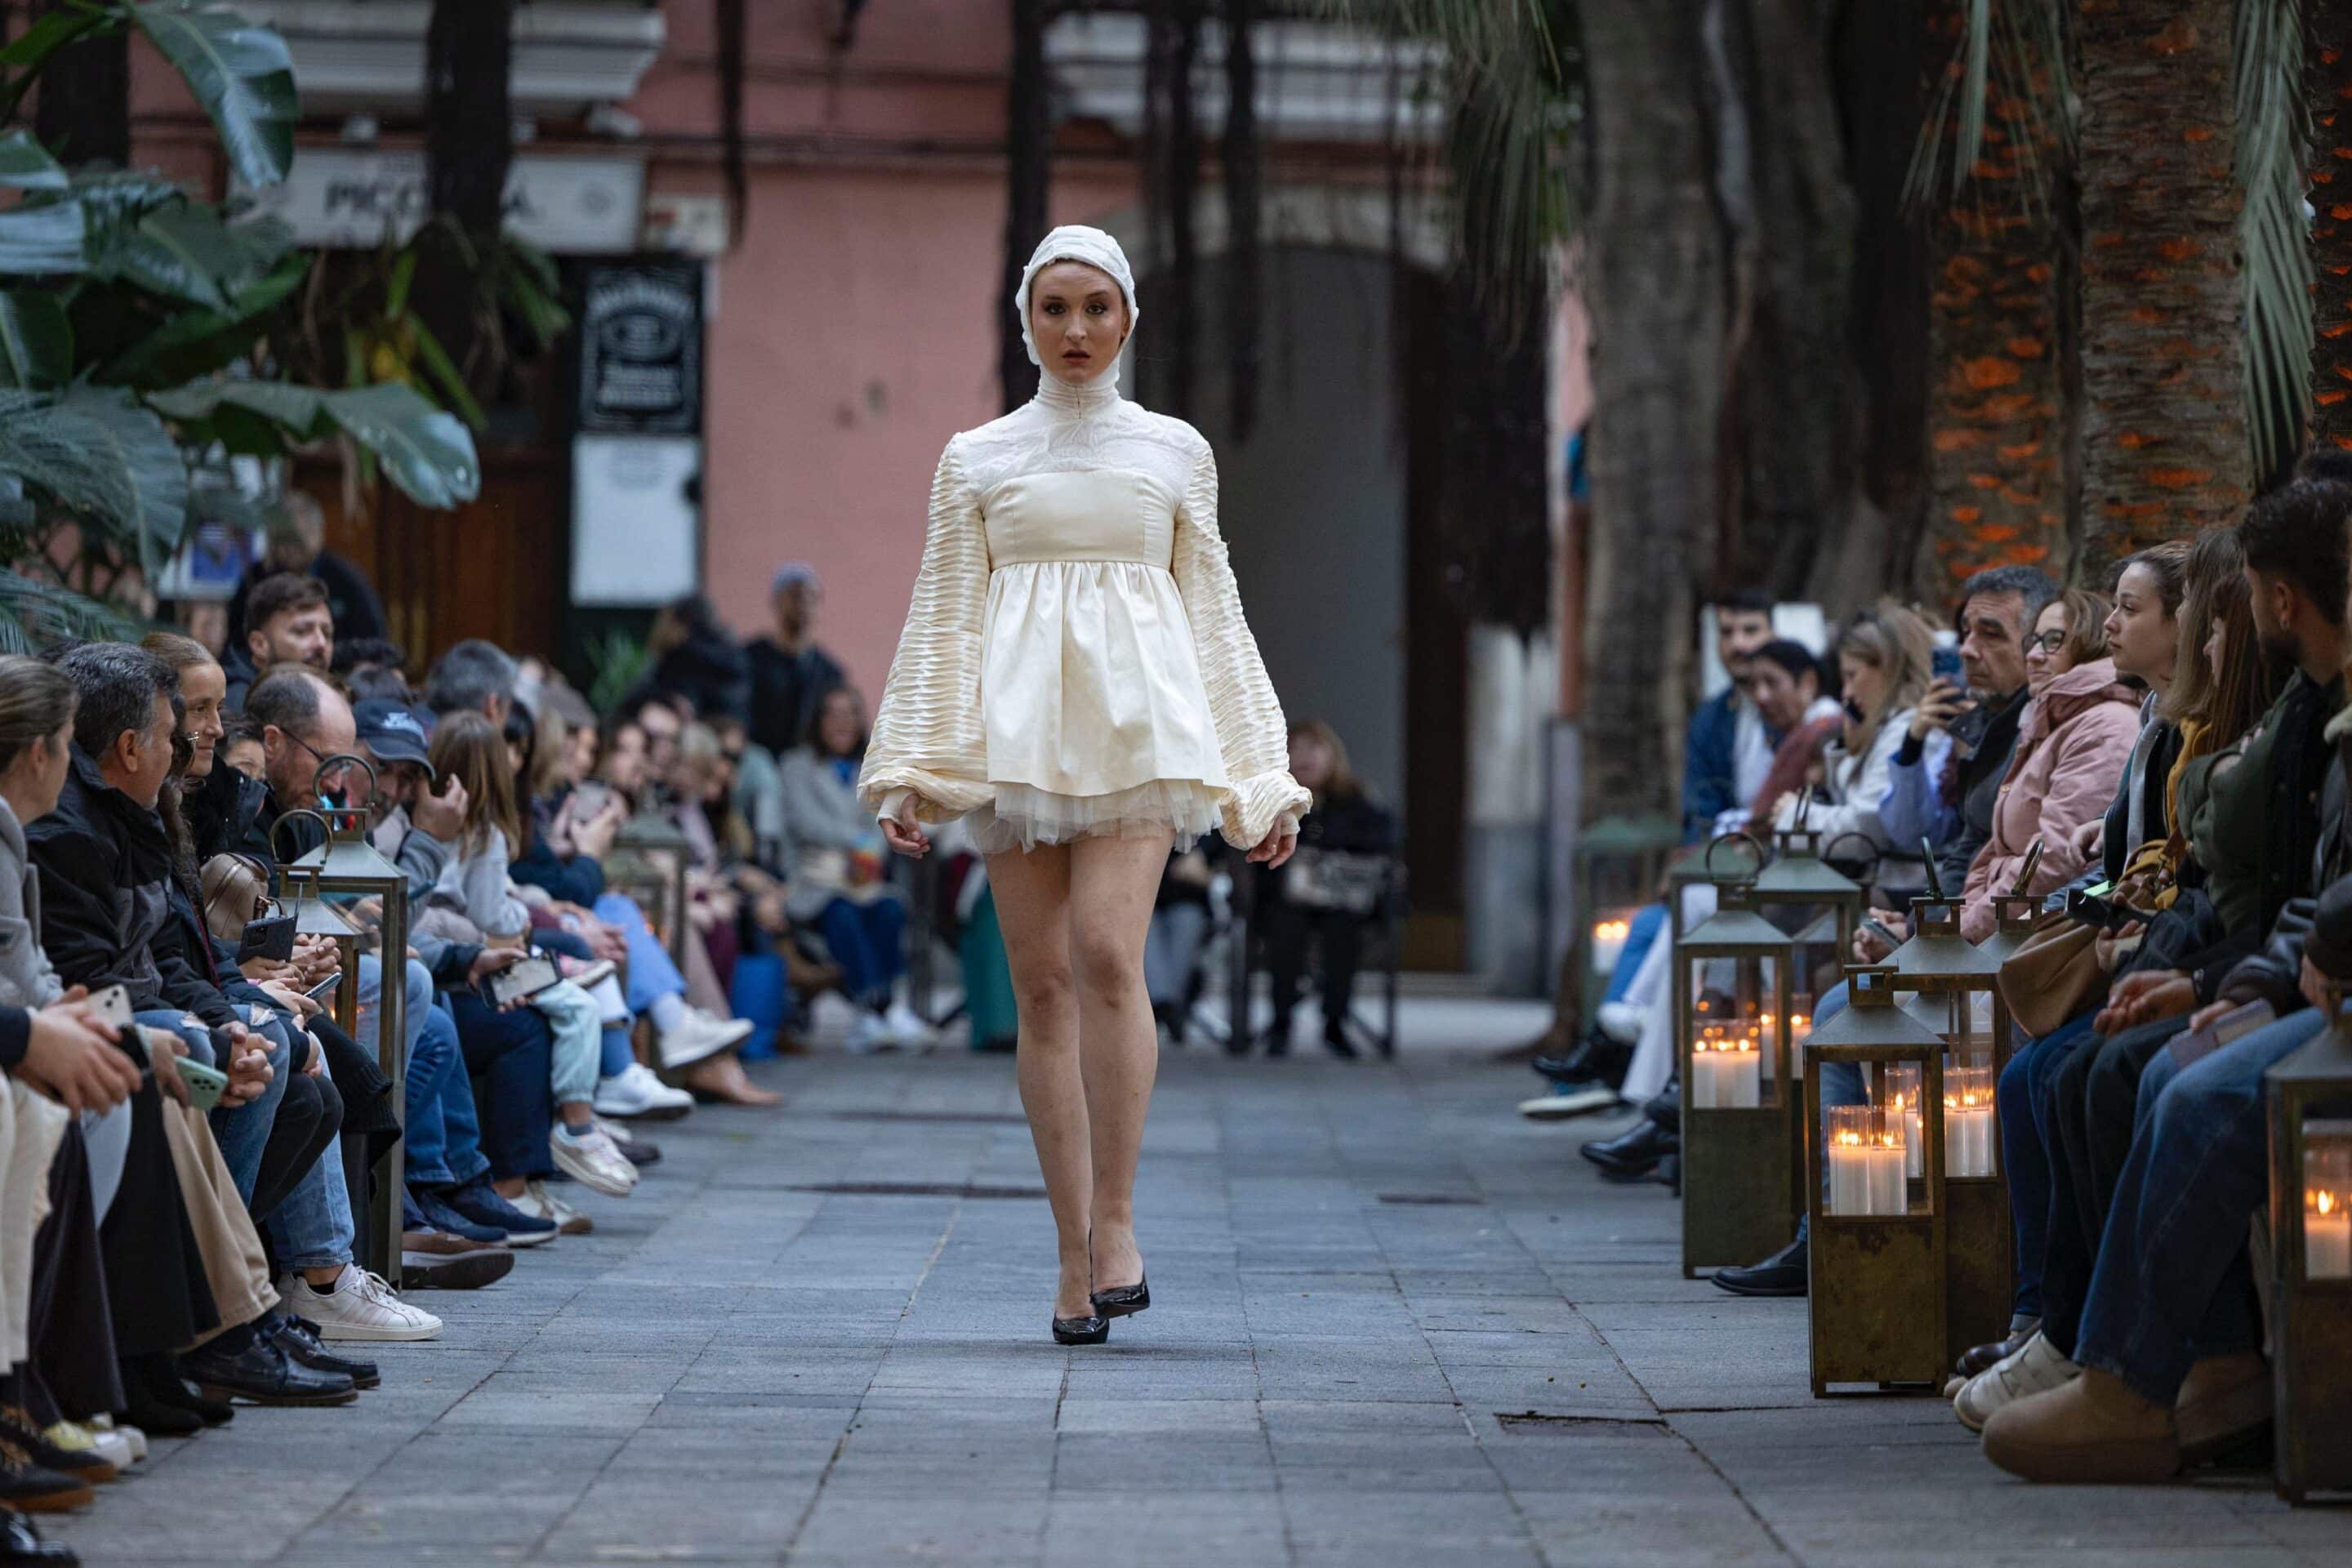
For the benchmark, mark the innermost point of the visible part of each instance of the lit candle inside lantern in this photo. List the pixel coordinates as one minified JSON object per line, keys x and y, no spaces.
{"x":2326,"y":1234}
{"x":1849,"y":1183}
{"x":1968,"y":1123}
{"x":1739,"y":1073}
{"x":1884,"y":1166}
{"x":1905,"y":1109}
{"x":1609,"y":944}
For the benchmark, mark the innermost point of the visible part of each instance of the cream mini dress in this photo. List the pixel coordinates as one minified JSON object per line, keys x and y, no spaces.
{"x":1075,"y":662}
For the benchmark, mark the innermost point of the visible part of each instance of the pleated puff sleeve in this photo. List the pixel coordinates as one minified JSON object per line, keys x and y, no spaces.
{"x":928,"y":740}
{"x":1251,"y":735}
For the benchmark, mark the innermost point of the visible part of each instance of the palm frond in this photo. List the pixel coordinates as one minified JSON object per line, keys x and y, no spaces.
{"x":2276,"y":273}
{"x":49,"y":452}
{"x":34,"y":613}
{"x":2009,"y":64}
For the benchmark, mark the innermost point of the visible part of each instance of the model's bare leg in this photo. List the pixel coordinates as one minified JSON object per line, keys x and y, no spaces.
{"x":1033,"y":907}
{"x":1113,"y":882}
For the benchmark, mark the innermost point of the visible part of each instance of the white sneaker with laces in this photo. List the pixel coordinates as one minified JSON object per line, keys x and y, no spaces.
{"x":591,"y":1158}
{"x":703,"y":1034}
{"x":359,"y":1307}
{"x":637,"y":1092}
{"x":537,"y":1200}
{"x":2033,"y":1368}
{"x":907,"y":1027}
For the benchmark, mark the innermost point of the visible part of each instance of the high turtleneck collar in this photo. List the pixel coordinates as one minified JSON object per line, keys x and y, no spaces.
{"x":1092,"y":398}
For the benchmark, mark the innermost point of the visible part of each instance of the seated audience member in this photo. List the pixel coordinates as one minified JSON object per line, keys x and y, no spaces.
{"x":290,"y":624}
{"x":373,"y":670}
{"x":1946,"y":793}
{"x":475,"y":677}
{"x":297,"y":548}
{"x":1725,"y":748}
{"x":2295,"y":556}
{"x":790,"y":672}
{"x":836,"y":875}
{"x":474,"y":884}
{"x":2072,"y":744}
{"x":1293,"y":905}
{"x":1171,"y":949}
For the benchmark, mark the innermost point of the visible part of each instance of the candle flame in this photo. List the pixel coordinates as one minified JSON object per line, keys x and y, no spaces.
{"x":2326,"y":1202}
{"x":1850,"y":1140}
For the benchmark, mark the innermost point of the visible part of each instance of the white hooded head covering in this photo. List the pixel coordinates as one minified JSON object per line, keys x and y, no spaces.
{"x":1076,"y":242}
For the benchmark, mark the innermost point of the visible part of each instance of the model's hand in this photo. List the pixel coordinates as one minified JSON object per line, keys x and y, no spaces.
{"x":905,"y":835}
{"x":1277,"y":846}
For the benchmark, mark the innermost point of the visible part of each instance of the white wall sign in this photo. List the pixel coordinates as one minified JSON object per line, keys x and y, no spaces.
{"x":636,"y":534}
{"x":349,"y":197}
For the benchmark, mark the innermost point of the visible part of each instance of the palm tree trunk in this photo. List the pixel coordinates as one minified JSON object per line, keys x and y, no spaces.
{"x":83,"y":110}
{"x":2165,"y":447}
{"x":468,"y":149}
{"x":1028,"y":143}
{"x":1655,"y":288}
{"x":2327,"y":93}
{"x":1996,"y":405}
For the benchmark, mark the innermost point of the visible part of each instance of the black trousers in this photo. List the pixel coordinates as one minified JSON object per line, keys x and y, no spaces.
{"x":308,"y":1119}
{"x":71,"y":1374}
{"x":2094,"y":1101}
{"x":1286,"y":930}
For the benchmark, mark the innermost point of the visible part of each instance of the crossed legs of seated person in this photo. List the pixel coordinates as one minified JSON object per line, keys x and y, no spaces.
{"x":2169,"y":1333}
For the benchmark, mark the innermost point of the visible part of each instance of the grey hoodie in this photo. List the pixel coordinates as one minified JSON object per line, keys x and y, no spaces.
{"x":26,"y":978}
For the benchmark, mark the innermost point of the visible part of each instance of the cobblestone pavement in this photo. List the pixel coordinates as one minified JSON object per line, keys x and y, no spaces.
{"x":1395,"y":1324}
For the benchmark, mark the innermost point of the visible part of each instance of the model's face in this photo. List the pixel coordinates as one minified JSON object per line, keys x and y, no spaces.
{"x":202,"y":688}
{"x":2045,"y":652}
{"x":1078,"y":318}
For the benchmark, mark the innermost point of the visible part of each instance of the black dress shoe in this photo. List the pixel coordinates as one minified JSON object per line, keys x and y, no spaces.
{"x":1634,"y":1152}
{"x":469,"y":1270}
{"x":1081,"y":1330}
{"x":302,"y":1342}
{"x":265,"y":1373}
{"x":20,"y":1542}
{"x":156,"y":1387}
{"x":28,"y":1488}
{"x":1123,"y":1300}
{"x":1334,"y":1039}
{"x":18,"y":1430}
{"x":638,"y":1152}
{"x":1785,"y":1273}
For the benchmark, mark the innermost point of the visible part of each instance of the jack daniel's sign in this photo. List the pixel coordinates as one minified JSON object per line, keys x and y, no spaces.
{"x":641,"y":349}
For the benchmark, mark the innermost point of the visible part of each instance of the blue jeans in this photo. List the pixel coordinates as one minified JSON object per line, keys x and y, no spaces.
{"x":1647,"y":922}
{"x":1841,"y":1081}
{"x":413,"y":1006}
{"x":2021,"y":1107}
{"x":652,"y":974}
{"x":444,"y":1137}
{"x":241,"y":1130}
{"x":313,"y":1228}
{"x":865,"y":940}
{"x":514,"y":1054}
{"x":2172,"y":1284}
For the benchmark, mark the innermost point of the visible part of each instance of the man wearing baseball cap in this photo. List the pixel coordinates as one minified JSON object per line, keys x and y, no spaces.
{"x":789,"y":671}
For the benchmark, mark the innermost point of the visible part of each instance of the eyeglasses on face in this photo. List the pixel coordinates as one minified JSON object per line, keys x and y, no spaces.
{"x":2048,"y":642}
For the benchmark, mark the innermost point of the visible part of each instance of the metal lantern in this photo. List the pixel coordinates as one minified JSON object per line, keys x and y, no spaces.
{"x":2311,"y":1262}
{"x":1955,"y":991}
{"x":1876,"y":1212}
{"x":656,"y":854}
{"x":2015,"y":916}
{"x":1826,"y":905}
{"x":1618,"y":865}
{"x":1731,"y":1008}
{"x":348,"y":864}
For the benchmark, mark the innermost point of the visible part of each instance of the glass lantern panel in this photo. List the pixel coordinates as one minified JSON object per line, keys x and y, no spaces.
{"x":1865,"y":1153}
{"x":1736,"y":1032}
{"x":2327,"y":1199}
{"x":1969,"y":1134}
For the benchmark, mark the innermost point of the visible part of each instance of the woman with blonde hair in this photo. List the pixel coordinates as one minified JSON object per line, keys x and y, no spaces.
{"x":1884,"y":657}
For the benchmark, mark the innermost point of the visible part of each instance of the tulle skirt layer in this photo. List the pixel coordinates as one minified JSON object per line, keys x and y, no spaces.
{"x":1022,"y":817}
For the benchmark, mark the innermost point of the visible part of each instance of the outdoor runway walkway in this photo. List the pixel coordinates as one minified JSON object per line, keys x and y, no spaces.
{"x":1395,"y":1325}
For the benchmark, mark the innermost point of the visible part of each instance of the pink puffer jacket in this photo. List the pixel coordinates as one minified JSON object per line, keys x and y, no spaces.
{"x":2072,"y":746}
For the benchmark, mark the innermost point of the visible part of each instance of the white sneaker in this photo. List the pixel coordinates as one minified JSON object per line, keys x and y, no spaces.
{"x":1619,"y":1021}
{"x":637,"y":1092}
{"x":868,"y":1034}
{"x":359,"y":1307}
{"x":1581,"y":1101}
{"x":593,"y":1158}
{"x":2033,"y":1368}
{"x":907,"y":1027}
{"x":132,"y":1436}
{"x":701,"y":1034}
{"x":537,"y":1200}
{"x":617,"y":1131}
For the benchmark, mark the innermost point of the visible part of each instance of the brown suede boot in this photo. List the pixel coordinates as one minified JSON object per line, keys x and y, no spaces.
{"x":2092,"y":1430}
{"x":2225,"y":1400}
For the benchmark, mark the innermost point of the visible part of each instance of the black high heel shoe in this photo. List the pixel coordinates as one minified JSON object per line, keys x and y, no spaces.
{"x":1123,"y":1300}
{"x":1091,"y":1330}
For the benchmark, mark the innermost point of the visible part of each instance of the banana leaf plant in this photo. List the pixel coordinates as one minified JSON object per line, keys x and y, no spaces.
{"x":136,"y":334}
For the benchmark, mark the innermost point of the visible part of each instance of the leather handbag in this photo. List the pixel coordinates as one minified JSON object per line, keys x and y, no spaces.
{"x":2054,"y":976}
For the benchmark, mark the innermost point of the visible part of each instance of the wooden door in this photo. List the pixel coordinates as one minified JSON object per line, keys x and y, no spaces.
{"x":495,"y":568}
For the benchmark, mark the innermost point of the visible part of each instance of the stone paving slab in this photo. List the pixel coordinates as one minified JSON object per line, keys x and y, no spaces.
{"x":1396,"y":1324}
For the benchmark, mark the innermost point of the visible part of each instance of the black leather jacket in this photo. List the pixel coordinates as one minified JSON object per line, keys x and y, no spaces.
{"x":2317,"y":928}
